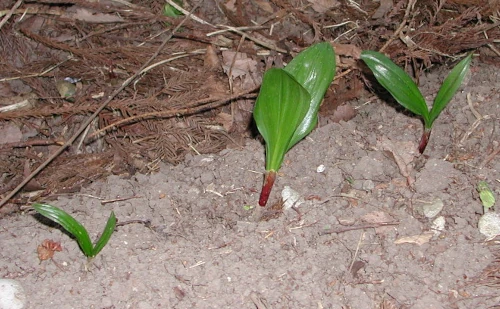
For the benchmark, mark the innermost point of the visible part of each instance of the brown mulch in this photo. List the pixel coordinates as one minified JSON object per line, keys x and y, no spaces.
{"x":198,"y":98}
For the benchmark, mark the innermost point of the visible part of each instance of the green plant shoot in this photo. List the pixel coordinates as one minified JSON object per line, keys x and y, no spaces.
{"x":287,"y":106}
{"x":486,"y":195}
{"x":170,"y":11}
{"x":405,"y":91}
{"x":76,"y":229}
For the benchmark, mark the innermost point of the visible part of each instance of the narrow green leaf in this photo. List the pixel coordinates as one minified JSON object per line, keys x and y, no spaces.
{"x":314,"y":68}
{"x":69,"y":223}
{"x":106,"y":234}
{"x":280,"y":107}
{"x":449,"y":88}
{"x":397,"y":82}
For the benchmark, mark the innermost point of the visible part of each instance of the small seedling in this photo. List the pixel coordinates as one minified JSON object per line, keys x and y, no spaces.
{"x":76,"y":229}
{"x":170,"y":11}
{"x":486,"y":195}
{"x":288,"y":103}
{"x":405,"y":91}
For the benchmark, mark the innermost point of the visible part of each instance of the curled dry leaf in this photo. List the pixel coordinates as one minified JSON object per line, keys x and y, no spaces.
{"x":384,"y":8}
{"x":238,"y":67}
{"x":403,"y":154}
{"x":379,"y":217}
{"x":347,"y":50}
{"x":322,"y":6}
{"x":211,"y":60}
{"x":415,"y":239}
{"x":343,"y":112}
{"x":47,"y":249}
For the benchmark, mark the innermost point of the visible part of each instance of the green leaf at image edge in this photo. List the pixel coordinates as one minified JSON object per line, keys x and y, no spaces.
{"x":106,"y":234}
{"x":280,"y":107}
{"x":397,"y":82}
{"x":313,"y":68}
{"x":449,"y":88}
{"x":69,"y":223}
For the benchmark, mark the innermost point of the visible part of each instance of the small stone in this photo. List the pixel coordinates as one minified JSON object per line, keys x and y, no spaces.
{"x":368,"y":185}
{"x":291,"y":198}
{"x":489,"y":224}
{"x":66,"y":89}
{"x":320,"y":169}
{"x":207,"y":177}
{"x":12,"y":294}
{"x":433,"y":208}
{"x":347,"y":221}
{"x":438,"y":225}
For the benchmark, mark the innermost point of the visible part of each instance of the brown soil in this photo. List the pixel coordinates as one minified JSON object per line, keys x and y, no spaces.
{"x":176,"y":148}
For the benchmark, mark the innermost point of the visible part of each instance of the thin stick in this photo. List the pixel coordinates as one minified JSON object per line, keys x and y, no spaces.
{"x":36,"y":74}
{"x":230,"y":74}
{"x":357,"y":251}
{"x":358,"y":227}
{"x":477,"y":122}
{"x":260,"y":42}
{"x":179,"y":112}
{"x":94,"y":115}
{"x":193,"y":17}
{"x":9,"y":14}
{"x":411,"y":3}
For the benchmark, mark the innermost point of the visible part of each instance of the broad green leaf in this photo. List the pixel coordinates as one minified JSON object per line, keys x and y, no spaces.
{"x":280,"y":107}
{"x":486,"y":195}
{"x":397,"y":82}
{"x":69,"y":223}
{"x":106,"y":235}
{"x":449,"y":88}
{"x":314,"y":69}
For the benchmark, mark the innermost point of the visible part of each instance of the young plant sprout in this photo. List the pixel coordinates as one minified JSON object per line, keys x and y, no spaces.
{"x":486,"y":195}
{"x":288,"y":103}
{"x":405,"y":91}
{"x":76,"y":229}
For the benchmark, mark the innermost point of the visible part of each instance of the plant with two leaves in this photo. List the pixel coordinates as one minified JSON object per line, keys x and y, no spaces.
{"x":287,"y":106}
{"x":76,"y":229}
{"x":405,"y":91}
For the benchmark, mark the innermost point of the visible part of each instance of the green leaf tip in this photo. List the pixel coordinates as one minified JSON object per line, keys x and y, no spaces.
{"x":76,"y":229}
{"x":449,"y":87}
{"x":486,"y":195}
{"x":314,"y":68}
{"x":399,"y":84}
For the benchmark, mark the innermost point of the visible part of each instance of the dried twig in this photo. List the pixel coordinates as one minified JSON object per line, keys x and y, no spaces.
{"x":395,"y":35}
{"x":200,"y":105}
{"x":9,"y":14}
{"x":94,"y":115}
{"x":358,"y":227}
{"x":256,"y":40}
{"x":477,"y":122}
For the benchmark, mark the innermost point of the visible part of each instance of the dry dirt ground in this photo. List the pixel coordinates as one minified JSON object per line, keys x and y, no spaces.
{"x":375,"y":225}
{"x":358,"y":238}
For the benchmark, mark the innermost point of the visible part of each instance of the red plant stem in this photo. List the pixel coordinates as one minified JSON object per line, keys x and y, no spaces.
{"x":266,"y":187}
{"x":425,"y":139}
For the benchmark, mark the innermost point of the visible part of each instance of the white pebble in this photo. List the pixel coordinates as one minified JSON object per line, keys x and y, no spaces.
{"x":489,"y":224}
{"x":12,"y":294}
{"x":291,"y":198}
